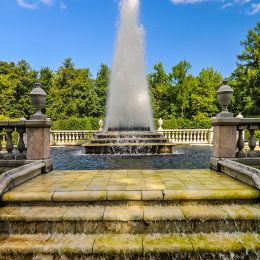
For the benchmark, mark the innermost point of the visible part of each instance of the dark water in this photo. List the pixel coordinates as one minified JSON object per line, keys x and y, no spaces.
{"x":186,"y":157}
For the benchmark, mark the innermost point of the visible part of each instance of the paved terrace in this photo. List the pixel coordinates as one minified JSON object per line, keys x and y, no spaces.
{"x":131,"y":185}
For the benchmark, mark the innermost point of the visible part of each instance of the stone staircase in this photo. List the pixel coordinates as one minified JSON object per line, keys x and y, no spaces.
{"x":129,"y":142}
{"x":99,"y":228}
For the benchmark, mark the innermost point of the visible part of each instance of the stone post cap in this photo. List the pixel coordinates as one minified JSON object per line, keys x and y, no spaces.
{"x":224,"y":95}
{"x":38,"y":91}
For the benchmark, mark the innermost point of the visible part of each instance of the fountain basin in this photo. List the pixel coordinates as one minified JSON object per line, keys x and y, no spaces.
{"x":129,"y":142}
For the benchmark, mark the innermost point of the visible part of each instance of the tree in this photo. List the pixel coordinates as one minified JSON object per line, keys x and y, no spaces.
{"x":204,"y":99}
{"x":72,"y":92}
{"x":161,"y":92}
{"x":100,"y":88}
{"x":183,"y":86}
{"x":246,"y":78}
{"x":16,"y":83}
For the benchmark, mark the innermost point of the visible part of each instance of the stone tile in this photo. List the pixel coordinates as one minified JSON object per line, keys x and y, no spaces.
{"x":152,"y":213}
{"x":243,"y":212}
{"x":69,"y":244}
{"x":155,"y":186}
{"x":152,"y":195}
{"x":124,"y":195}
{"x":215,"y":242}
{"x":124,"y":213}
{"x":44,"y":213}
{"x":116,"y":187}
{"x":250,"y":241}
{"x":90,"y":213}
{"x":80,"y":196}
{"x":204,"y":212}
{"x":210,"y":194}
{"x":28,"y":196}
{"x":111,"y":244}
{"x":13,"y":213}
{"x":23,"y":244}
{"x":160,"y":243}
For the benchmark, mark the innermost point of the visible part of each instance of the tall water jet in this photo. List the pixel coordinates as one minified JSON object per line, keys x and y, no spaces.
{"x":129,"y":105}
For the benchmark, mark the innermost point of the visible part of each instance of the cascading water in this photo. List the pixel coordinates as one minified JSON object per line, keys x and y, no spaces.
{"x":129,"y":105}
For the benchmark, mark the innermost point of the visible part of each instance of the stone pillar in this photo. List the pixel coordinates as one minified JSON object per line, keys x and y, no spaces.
{"x":38,"y":139}
{"x":225,"y":137}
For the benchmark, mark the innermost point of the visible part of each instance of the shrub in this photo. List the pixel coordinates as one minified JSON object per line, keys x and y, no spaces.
{"x":75,"y":123}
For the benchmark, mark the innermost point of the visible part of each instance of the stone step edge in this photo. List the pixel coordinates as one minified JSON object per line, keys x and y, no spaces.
{"x":136,"y":195}
{"x":131,"y":213}
{"x":130,"y":244}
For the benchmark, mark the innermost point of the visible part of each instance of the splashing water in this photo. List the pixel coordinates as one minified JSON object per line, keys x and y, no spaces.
{"x":129,"y":105}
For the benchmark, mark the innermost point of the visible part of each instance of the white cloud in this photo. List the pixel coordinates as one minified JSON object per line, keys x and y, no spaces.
{"x":62,"y":6}
{"x":47,"y":2}
{"x":255,"y":8}
{"x":227,"y":5}
{"x":34,"y":4}
{"x":242,"y":2}
{"x":179,"y":2}
{"x":25,"y":4}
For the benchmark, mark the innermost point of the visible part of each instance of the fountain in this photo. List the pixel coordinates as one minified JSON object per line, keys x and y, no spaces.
{"x":129,"y":119}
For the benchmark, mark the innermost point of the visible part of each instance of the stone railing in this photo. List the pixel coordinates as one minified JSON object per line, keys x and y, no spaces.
{"x":188,"y":136}
{"x":229,"y":135}
{"x":176,"y":136}
{"x":31,"y":139}
{"x":251,"y":125}
{"x":70,"y":137}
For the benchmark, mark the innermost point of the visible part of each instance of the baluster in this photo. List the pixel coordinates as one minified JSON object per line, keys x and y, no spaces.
{"x":203,"y":136}
{"x":21,"y":145}
{"x":9,"y":144}
{"x":56,"y":139}
{"x":197,"y":137}
{"x":1,"y":139}
{"x":240,"y":142}
{"x":252,"y":142}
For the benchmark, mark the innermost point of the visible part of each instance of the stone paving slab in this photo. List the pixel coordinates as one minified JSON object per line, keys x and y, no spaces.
{"x":129,"y":244}
{"x":131,"y":213}
{"x":147,"y":185}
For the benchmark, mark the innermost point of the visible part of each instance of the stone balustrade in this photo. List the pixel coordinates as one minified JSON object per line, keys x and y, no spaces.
{"x":27,"y":142}
{"x":70,"y":137}
{"x":176,"y":136}
{"x":251,"y":125}
{"x":229,"y":134}
{"x":188,"y":136}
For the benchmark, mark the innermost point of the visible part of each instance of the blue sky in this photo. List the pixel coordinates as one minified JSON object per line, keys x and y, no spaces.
{"x":204,"y":32}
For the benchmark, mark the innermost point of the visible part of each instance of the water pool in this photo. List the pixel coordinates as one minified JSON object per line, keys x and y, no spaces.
{"x":186,"y":157}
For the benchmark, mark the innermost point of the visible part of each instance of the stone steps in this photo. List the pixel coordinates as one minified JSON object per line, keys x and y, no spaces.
{"x":130,"y":219}
{"x":128,"y":134}
{"x":107,"y":246}
{"x":130,"y":197}
{"x":128,"y":140}
{"x":171,"y":215}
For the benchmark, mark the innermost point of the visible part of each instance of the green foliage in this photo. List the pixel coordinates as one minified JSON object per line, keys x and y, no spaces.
{"x":245,"y":80}
{"x":76,"y":100}
{"x":182,"y":123}
{"x":75,"y":123}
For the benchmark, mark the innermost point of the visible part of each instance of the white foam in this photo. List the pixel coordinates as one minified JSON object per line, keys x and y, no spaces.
{"x":129,"y":103}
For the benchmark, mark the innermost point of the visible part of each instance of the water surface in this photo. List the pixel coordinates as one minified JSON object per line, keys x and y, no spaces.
{"x":186,"y":157}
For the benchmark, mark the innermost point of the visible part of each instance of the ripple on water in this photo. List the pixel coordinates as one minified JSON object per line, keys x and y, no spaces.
{"x":185,"y":157}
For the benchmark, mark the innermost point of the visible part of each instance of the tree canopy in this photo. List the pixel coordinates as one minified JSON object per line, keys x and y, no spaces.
{"x":74,"y":92}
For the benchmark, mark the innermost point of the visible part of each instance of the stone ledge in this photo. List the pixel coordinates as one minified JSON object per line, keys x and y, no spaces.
{"x":132,"y":213}
{"x":19,"y":175}
{"x":130,"y":244}
{"x":235,"y":169}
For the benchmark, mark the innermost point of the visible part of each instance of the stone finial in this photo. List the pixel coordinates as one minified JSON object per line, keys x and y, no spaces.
{"x":38,"y":97}
{"x":160,"y":123}
{"x":239,"y":115}
{"x":224,"y":95}
{"x":101,"y":125}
